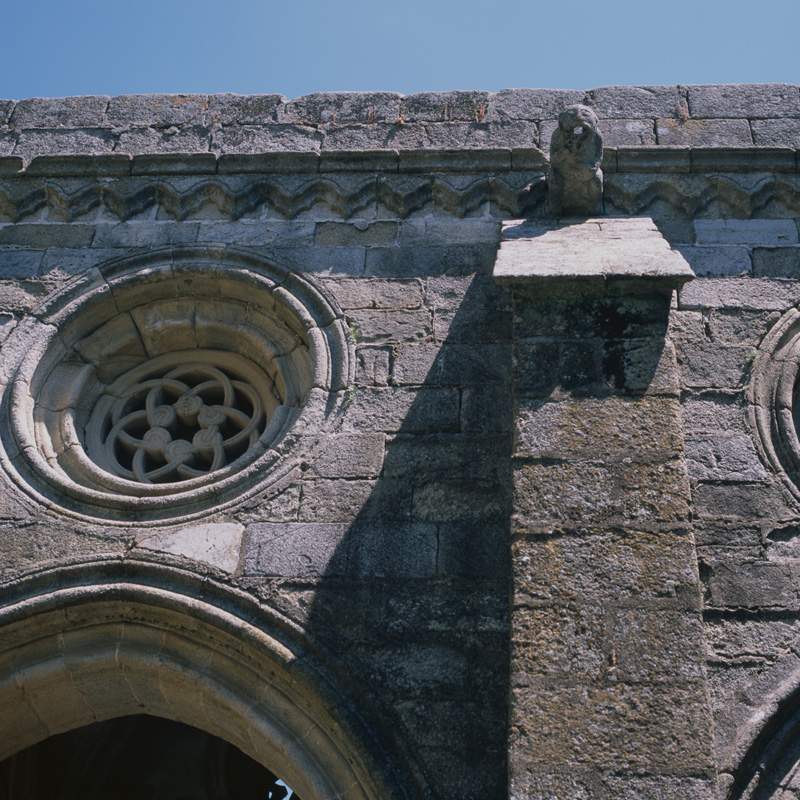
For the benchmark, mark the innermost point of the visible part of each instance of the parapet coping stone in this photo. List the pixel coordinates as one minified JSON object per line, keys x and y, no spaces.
{"x":605,"y":248}
{"x":487,"y":160}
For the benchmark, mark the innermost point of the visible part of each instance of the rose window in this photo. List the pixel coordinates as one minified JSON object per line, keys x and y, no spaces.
{"x":170,"y":384}
{"x":154,"y":426}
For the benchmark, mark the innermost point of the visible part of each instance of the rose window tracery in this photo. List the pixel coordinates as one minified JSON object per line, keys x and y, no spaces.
{"x":191,"y":421}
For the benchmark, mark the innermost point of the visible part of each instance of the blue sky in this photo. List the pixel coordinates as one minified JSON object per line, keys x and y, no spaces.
{"x":65,"y":47}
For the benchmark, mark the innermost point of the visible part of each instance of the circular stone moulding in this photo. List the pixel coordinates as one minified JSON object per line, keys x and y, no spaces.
{"x":773,"y":396}
{"x":166,"y":386}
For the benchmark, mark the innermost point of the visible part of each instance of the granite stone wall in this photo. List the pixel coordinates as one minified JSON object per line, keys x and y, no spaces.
{"x":547,"y":545}
{"x":740,"y":115}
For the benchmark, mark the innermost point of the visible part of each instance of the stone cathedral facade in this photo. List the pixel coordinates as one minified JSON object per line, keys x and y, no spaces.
{"x":377,"y":447}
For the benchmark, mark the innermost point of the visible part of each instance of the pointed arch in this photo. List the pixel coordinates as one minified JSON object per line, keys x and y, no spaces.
{"x":113,"y":639}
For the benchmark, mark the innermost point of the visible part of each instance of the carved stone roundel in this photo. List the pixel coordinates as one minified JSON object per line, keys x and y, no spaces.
{"x":165,"y":423}
{"x":168,"y":385}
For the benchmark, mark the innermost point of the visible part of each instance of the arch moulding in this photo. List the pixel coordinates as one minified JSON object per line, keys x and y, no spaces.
{"x":89,"y":651}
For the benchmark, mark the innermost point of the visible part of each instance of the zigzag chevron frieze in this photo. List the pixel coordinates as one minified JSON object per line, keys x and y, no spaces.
{"x":289,"y":197}
{"x":738,"y":196}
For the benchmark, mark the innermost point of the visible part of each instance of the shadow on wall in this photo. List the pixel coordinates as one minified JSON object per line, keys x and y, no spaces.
{"x":414,"y":599}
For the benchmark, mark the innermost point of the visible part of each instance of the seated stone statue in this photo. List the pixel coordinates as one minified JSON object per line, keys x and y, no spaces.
{"x":575,"y":183}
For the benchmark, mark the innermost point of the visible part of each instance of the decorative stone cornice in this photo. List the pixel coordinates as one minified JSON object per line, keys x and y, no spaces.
{"x":494,"y":160}
{"x":739,"y":182}
{"x":288,"y":196}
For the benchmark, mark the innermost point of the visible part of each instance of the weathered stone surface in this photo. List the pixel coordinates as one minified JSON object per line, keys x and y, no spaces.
{"x":622,"y":726}
{"x":654,"y":644}
{"x":627,"y":133}
{"x":259,"y":138}
{"x":532,"y":104}
{"x":713,"y":412}
{"x":187,"y":139}
{"x":557,"y":641}
{"x":631,"y":788}
{"x":8,"y":141}
{"x":453,"y":231}
{"x":61,"y":112}
{"x":487,"y":450}
{"x":58,"y":262}
{"x":656,"y":159}
{"x":368,"y":107}
{"x":382,"y":325}
{"x":776,"y":132}
{"x":478,"y":552}
{"x":752,"y":584}
{"x":291,"y":161}
{"x":235,"y":109}
{"x":423,"y":261}
{"x":754,"y":294}
{"x":587,"y":248}
{"x":247,"y":233}
{"x":51,"y":141}
{"x":392,"y":550}
{"x":372,"y":366}
{"x":216,"y":543}
{"x":333,"y":234}
{"x":174,"y":164}
{"x":778,"y":262}
{"x":344,"y":500}
{"x":580,"y":369}
{"x":754,"y":100}
{"x":696,"y":329}
{"x":747,"y":501}
{"x":450,"y":364}
{"x":378,"y":135}
{"x":6,"y":109}
{"x":718,"y":261}
{"x":81,"y":166}
{"x":353,"y":160}
{"x":37,"y":235}
{"x":728,"y":458}
{"x":331,"y":261}
{"x":376,"y":293}
{"x":397,"y":409}
{"x":161,"y":110}
{"x":769,"y":232}
{"x":601,"y":427}
{"x":351,"y":456}
{"x":293,"y":550}
{"x":548,"y":493}
{"x":445,"y":106}
{"x":738,"y":159}
{"x":703,"y":133}
{"x":714,"y":365}
{"x":518,"y":133}
{"x":458,"y":500}
{"x":19,"y":263}
{"x":479,"y":457}
{"x":634,"y":102}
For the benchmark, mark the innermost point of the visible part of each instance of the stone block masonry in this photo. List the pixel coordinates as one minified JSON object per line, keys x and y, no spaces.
{"x":596,"y":560}
{"x":522,"y":517}
{"x":649,"y":116}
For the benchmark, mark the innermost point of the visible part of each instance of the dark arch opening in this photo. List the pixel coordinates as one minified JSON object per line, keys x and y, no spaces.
{"x":137,"y":757}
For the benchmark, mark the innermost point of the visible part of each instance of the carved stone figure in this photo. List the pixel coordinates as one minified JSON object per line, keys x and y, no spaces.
{"x":575,"y":183}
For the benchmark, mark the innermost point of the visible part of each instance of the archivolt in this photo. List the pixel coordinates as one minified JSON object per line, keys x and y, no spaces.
{"x":763,"y":757}
{"x":136,"y":641}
